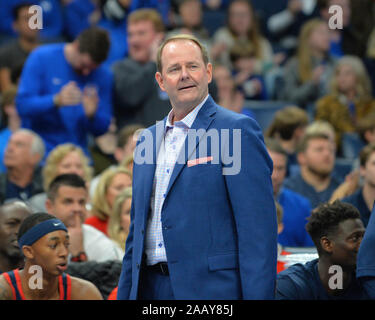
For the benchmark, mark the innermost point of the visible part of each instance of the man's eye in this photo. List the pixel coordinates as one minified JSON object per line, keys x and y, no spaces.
{"x":53,"y":246}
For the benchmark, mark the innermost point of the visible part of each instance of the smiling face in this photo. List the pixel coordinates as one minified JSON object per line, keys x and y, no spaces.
{"x":68,"y":203}
{"x":184,"y":75}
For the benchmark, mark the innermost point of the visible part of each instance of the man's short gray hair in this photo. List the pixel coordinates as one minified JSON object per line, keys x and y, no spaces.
{"x":37,"y":145}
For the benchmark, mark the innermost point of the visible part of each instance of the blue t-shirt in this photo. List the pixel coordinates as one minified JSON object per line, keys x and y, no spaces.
{"x":302,"y":282}
{"x":297,"y":184}
{"x":356,"y":199}
{"x":296,"y":210}
{"x":4,"y":138}
{"x":45,"y":72}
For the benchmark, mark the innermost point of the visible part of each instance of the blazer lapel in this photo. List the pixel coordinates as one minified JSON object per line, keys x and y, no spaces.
{"x":202,"y":121}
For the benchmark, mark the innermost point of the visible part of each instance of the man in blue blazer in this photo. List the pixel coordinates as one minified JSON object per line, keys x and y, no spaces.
{"x":203,"y":219}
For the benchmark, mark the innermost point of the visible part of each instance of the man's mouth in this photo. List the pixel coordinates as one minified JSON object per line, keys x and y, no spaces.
{"x":186,"y":87}
{"x":62,"y":266}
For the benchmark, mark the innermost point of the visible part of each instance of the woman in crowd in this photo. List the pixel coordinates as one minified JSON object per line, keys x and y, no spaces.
{"x":111,"y":183}
{"x":349,"y":98}
{"x":65,"y":158}
{"x":119,"y":222}
{"x":242,"y":28}
{"x":306,"y":75}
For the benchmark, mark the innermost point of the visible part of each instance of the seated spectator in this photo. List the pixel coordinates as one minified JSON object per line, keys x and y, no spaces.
{"x":288,"y":127}
{"x":52,"y":18}
{"x":349,"y":99}
{"x":67,"y":196}
{"x":242,"y":27}
{"x":103,"y":148}
{"x":10,"y":119}
{"x":280,"y":226}
{"x":125,"y":144}
{"x":69,"y":95}
{"x":363,"y":199}
{"x":11,"y":217}
{"x":137,"y":97}
{"x":284,"y":26}
{"x":65,"y":158}
{"x":191,"y":15}
{"x":14,"y":54}
{"x":350,"y":39}
{"x":337,"y":232}
{"x":247,"y":80}
{"x":111,"y":183}
{"x":296,"y":208}
{"x":366,"y":129}
{"x":316,"y":157}
{"x":228,"y":96}
{"x":307,"y":73}
{"x":119,"y":222}
{"x":22,"y":156}
{"x":44,"y":242}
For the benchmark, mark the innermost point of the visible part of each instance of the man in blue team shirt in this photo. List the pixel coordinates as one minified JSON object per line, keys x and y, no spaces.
{"x":316,"y":157}
{"x":63,"y":93}
{"x":296,"y":208}
{"x":363,"y":199}
{"x":337,"y":232}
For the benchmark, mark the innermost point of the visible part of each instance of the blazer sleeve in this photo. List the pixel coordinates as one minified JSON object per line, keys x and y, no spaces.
{"x":251,"y":196}
{"x":366,"y":259}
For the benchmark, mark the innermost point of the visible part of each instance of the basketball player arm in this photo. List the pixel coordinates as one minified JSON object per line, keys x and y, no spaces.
{"x":84,"y":290}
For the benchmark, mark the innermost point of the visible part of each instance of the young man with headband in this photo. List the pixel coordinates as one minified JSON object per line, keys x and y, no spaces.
{"x":44,"y":241}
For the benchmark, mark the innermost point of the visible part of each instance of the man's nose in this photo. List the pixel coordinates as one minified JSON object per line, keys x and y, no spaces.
{"x":184,"y":73}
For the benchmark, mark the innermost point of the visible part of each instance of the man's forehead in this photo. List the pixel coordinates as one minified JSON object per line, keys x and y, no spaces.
{"x":174,"y":52}
{"x":141,"y":24}
{"x":351,"y":225}
{"x":69,"y":192}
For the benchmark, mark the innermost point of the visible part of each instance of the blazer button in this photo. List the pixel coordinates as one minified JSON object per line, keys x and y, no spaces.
{"x":137,"y":265}
{"x":143,"y":232}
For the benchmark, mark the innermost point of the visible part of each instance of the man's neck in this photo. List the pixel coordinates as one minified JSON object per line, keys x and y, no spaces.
{"x":20,"y":177}
{"x":319,"y":183}
{"x":368,"y":193}
{"x":323,"y":269}
{"x":181,"y":112}
{"x":49,"y":290}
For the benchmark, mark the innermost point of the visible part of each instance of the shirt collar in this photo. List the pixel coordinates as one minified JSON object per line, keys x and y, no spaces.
{"x":188,"y":120}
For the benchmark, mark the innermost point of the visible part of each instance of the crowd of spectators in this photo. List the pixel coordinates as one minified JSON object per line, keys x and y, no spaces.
{"x":75,"y":94}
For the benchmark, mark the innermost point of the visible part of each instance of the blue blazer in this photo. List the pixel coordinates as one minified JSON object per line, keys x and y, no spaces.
{"x":219,"y":231}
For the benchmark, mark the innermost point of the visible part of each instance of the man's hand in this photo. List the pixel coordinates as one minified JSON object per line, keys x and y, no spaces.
{"x":76,"y":236}
{"x":69,"y":95}
{"x":90,"y":101}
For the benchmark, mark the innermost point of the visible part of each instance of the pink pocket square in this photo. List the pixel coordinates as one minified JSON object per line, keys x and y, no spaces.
{"x":194,"y":162}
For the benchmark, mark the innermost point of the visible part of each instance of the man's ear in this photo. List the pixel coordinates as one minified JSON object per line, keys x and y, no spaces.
{"x":209,"y":72}
{"x":28,"y":252}
{"x":159,"y":79}
{"x":326,"y":244}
